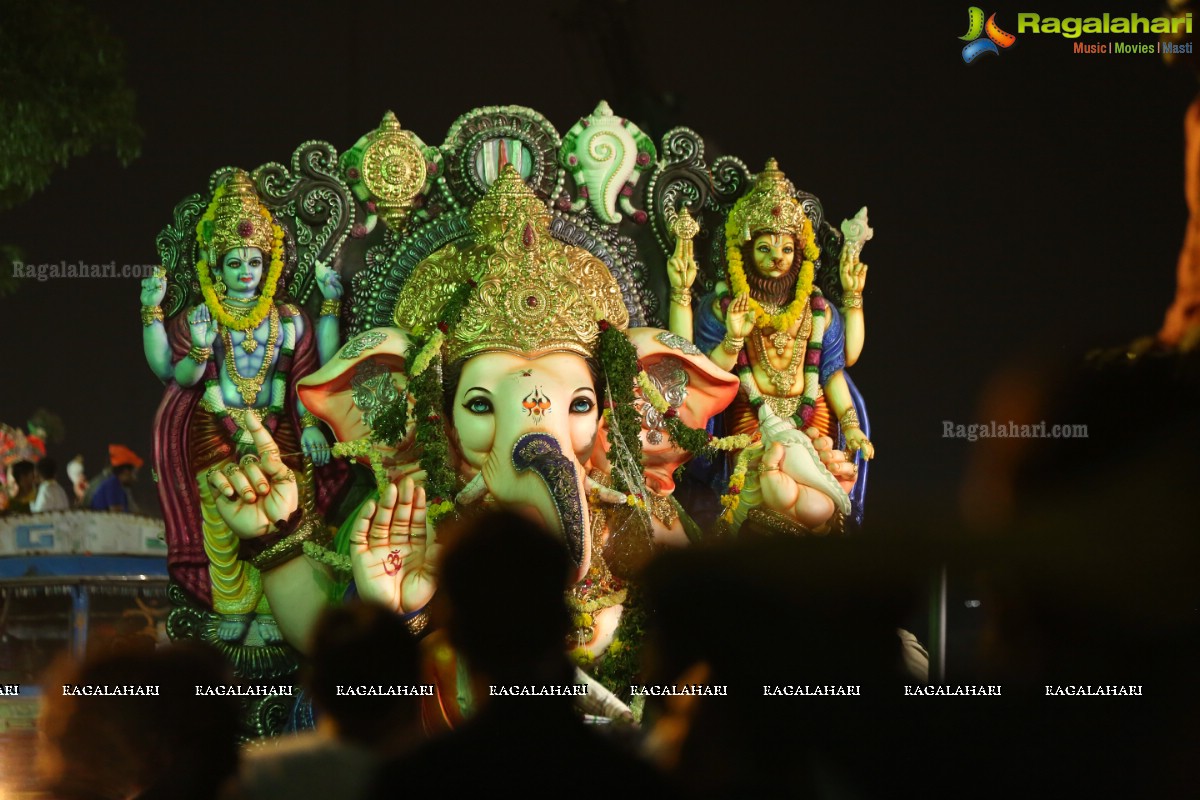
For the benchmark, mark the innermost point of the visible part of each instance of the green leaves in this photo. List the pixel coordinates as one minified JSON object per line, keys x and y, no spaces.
{"x":62,"y":74}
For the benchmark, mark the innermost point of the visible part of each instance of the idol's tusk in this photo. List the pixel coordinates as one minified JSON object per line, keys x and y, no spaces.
{"x":605,"y":494}
{"x":474,"y":490}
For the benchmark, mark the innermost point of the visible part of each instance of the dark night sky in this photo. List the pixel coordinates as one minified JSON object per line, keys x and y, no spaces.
{"x":1026,"y":205}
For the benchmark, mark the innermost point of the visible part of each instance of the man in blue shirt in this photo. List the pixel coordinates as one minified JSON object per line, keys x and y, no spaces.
{"x":113,"y":492}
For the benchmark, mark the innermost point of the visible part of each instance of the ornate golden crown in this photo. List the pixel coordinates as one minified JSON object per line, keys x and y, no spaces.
{"x":768,"y":206}
{"x":533,"y":294}
{"x":239,"y":219}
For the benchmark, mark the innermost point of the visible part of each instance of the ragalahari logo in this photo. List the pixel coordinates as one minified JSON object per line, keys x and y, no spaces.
{"x":976,"y":27}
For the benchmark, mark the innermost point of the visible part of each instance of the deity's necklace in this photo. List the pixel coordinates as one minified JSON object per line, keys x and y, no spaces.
{"x":249,"y":343}
{"x":784,"y":379}
{"x":250,"y":387}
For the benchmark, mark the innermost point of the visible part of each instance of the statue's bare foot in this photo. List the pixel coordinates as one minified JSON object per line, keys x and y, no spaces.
{"x":268,"y":629}
{"x":233,"y":627}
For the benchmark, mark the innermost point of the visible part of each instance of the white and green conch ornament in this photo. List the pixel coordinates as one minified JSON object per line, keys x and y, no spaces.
{"x":606,"y":155}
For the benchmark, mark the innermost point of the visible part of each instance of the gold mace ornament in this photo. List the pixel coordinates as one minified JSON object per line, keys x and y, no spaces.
{"x":394,"y":170}
{"x":685,"y":226}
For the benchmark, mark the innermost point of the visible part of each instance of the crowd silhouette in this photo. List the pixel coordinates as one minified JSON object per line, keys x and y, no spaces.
{"x":1088,"y":580}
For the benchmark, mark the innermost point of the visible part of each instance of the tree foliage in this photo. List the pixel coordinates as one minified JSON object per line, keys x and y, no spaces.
{"x":62,"y":94}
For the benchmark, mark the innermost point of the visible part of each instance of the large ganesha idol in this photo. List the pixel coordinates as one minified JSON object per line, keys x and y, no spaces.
{"x":504,"y":351}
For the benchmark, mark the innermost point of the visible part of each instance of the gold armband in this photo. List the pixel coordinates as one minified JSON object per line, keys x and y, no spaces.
{"x":151,"y":314}
{"x":331,"y":308}
{"x":731,"y":345}
{"x":848,"y":420}
{"x":852,"y":301}
{"x":309,"y":420}
{"x":199,"y":354}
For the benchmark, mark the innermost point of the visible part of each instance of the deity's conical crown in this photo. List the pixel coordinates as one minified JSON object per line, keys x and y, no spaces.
{"x":239,"y":219}
{"x":533,"y":294}
{"x":768,"y":206}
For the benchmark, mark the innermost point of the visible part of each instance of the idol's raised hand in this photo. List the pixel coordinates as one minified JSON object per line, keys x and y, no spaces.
{"x":393,"y":553}
{"x":681,"y":266}
{"x":258,"y":494}
{"x":203,"y":327}
{"x":154,"y":288}
{"x":851,"y":271}
{"x":328,"y":281}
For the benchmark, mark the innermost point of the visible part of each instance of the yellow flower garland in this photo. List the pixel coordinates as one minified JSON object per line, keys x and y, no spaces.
{"x":788,"y":316}
{"x":737,"y":481}
{"x":258,"y":312}
{"x":425,"y":357}
{"x":363,"y":448}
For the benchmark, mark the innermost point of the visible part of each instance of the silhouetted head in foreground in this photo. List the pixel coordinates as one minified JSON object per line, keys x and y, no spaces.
{"x":364,"y":644}
{"x":176,"y":744}
{"x":500,"y":597}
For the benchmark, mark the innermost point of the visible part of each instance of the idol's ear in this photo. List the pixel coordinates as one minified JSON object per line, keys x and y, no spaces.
{"x":707,"y":390}
{"x":360,"y":385}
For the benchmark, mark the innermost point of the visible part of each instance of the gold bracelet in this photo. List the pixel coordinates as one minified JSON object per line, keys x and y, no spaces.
{"x":852,"y":300}
{"x":848,"y":420}
{"x":331,"y":308}
{"x":681,"y":297}
{"x":309,"y":420}
{"x":731,"y":345}
{"x":199,"y":354}
{"x":151,"y":314}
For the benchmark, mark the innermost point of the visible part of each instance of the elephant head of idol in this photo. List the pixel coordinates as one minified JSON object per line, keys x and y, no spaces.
{"x":517,"y":313}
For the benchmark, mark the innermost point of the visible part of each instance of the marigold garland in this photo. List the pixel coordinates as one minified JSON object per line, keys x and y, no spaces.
{"x":426,"y":387}
{"x":618,"y":358}
{"x":787,"y":317}
{"x":363,"y":448}
{"x":258,"y":312}
{"x":737,"y":481}
{"x":812,"y":370}
{"x":425,"y":357}
{"x":696,"y":441}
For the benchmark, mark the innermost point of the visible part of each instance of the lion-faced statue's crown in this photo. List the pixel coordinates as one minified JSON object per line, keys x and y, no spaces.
{"x":768,"y":206}
{"x":239,"y":219}
{"x":533,"y":294}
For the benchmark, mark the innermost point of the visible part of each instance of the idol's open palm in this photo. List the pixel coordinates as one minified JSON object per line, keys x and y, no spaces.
{"x":393,"y":553}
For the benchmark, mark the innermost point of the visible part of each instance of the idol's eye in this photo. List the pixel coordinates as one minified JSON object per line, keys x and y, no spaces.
{"x":788,"y":249}
{"x":582,"y":405}
{"x":762,"y":248}
{"x":478,"y":405}
{"x":232,"y":264}
{"x":256,"y":262}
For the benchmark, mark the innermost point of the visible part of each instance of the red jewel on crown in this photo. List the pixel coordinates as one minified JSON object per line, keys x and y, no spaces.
{"x":776,"y":211}
{"x":531,"y":301}
{"x":245,"y":229}
{"x":527,"y":238}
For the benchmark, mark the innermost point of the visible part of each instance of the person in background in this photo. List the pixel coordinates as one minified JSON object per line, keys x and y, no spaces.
{"x":25,"y":487}
{"x":50,"y":494}
{"x":113,"y":493}
{"x":78,"y":478}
